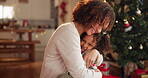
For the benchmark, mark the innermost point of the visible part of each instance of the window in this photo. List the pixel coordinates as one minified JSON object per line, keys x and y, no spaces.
{"x":6,"y":12}
{"x":1,"y":13}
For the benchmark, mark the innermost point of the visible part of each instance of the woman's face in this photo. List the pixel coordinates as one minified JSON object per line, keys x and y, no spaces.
{"x":95,"y":29}
{"x":87,"y":43}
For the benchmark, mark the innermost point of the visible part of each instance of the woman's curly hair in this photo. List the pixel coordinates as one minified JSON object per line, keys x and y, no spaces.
{"x":90,"y":12}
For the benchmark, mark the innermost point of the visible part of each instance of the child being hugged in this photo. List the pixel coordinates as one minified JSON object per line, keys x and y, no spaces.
{"x":89,"y":43}
{"x":96,"y":42}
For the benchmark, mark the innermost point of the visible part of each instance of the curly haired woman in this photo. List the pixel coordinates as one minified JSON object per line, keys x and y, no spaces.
{"x":63,"y":51}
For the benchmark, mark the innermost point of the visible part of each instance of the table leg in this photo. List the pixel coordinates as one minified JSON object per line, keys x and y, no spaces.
{"x":32,"y":53}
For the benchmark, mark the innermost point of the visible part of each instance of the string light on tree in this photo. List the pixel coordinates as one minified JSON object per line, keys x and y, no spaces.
{"x":104,"y":33}
{"x":133,"y":18}
{"x":104,"y":0}
{"x":116,"y":21}
{"x":130,"y":47}
{"x":141,"y":46}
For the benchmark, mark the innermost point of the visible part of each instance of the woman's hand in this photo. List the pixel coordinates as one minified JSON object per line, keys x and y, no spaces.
{"x":90,"y":57}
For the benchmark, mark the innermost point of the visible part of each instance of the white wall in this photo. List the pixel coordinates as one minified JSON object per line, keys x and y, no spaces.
{"x":33,"y":10}
{"x":69,"y":8}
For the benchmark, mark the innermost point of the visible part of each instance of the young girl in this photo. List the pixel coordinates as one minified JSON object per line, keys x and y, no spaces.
{"x":96,"y":42}
{"x":90,"y":43}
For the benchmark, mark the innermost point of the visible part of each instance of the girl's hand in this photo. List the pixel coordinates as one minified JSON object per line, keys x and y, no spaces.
{"x":90,"y":57}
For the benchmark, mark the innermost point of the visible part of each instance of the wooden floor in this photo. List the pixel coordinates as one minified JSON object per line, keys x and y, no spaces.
{"x":30,"y":69}
{"x":22,"y":69}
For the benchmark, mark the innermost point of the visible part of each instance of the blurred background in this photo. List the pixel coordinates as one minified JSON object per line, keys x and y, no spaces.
{"x":26,"y":26}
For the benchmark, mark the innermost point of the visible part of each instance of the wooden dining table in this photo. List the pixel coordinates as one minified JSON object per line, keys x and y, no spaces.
{"x":20,"y":46}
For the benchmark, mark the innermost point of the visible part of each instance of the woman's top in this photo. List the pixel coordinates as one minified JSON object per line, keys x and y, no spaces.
{"x":63,"y":54}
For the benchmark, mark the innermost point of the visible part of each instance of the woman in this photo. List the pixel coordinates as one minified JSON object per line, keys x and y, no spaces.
{"x":63,"y":51}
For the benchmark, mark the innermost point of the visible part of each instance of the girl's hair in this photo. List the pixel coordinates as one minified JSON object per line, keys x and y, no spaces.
{"x":90,"y":12}
{"x":103,"y":42}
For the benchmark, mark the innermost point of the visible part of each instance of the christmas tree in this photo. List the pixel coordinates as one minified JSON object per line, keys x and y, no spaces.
{"x":129,"y":35}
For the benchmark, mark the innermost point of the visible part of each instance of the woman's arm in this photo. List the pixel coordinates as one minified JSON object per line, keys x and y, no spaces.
{"x":68,"y":45}
{"x":91,"y":56}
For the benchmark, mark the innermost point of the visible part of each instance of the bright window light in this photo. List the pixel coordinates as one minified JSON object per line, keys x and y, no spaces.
{"x":1,"y":13}
{"x":6,"y":11}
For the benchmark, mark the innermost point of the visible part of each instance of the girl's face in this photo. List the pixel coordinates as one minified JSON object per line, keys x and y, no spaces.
{"x":87,"y":43}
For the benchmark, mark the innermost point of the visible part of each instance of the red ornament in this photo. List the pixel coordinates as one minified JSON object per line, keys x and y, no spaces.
{"x":126,"y":24}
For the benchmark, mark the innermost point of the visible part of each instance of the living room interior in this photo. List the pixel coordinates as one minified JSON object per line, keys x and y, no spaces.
{"x":27,"y":25}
